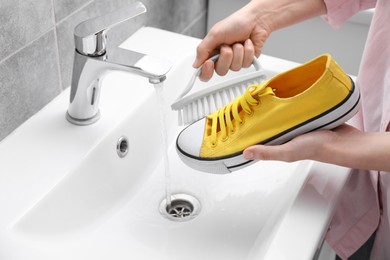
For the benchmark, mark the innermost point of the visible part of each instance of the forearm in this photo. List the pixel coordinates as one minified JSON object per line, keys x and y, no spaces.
{"x":358,"y":150}
{"x":281,"y":13}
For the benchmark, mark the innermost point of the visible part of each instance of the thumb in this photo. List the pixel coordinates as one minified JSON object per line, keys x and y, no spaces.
{"x":269,"y":152}
{"x":201,"y":57}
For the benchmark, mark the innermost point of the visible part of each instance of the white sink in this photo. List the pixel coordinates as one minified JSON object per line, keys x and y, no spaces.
{"x":66,"y":194}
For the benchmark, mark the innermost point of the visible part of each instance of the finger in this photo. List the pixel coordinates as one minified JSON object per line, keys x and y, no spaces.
{"x":269,"y":152}
{"x":225,"y":60}
{"x":249,"y":54}
{"x":207,"y":70}
{"x":238,"y":56}
{"x":208,"y":46}
{"x":345,"y":128}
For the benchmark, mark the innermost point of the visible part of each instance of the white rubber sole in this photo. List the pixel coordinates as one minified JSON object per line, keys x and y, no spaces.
{"x":327,"y":120}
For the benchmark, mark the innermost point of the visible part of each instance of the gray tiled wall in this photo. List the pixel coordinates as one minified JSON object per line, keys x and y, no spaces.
{"x":36,"y":42}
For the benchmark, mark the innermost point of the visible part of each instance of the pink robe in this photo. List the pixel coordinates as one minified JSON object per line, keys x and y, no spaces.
{"x":365,"y":204}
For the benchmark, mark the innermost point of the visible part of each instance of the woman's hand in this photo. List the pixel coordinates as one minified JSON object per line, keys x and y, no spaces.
{"x":306,"y":146}
{"x":344,"y":145}
{"x":238,"y":39}
{"x":241,"y":36}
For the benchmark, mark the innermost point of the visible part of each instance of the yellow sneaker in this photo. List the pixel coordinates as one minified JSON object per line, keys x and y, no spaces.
{"x":315,"y":95}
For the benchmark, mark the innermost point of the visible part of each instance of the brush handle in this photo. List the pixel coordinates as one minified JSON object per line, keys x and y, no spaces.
{"x":214,"y":58}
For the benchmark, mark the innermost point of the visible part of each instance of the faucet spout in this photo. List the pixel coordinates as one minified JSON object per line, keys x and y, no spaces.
{"x":88,"y":72}
{"x":91,"y":63}
{"x":144,"y":65}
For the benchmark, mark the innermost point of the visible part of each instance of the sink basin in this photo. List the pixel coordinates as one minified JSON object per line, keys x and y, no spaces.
{"x":66,"y":192}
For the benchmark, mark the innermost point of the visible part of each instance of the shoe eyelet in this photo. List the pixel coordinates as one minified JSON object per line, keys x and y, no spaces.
{"x":232,"y":132}
{"x":242,"y":123}
{"x":213,"y":145}
{"x":225,"y":139}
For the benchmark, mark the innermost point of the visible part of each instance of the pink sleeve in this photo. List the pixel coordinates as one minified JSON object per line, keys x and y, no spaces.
{"x":339,"y":11}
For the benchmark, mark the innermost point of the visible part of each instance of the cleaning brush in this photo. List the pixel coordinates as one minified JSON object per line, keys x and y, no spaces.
{"x":207,"y":100}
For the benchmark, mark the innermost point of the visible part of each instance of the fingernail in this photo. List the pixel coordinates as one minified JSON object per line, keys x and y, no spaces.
{"x":207,"y":65}
{"x":249,"y":156}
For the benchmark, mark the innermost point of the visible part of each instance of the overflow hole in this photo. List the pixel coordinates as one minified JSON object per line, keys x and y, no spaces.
{"x":122,"y":147}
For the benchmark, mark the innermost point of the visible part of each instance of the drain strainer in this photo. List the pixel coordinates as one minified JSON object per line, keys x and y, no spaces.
{"x":183,"y":207}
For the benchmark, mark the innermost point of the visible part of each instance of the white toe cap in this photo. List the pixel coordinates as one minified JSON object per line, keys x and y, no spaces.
{"x":190,"y":139}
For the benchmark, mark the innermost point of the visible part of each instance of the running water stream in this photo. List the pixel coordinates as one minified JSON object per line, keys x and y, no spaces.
{"x":159,"y":87}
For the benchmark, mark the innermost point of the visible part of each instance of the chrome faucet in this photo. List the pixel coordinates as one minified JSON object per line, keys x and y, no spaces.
{"x":92,"y":59}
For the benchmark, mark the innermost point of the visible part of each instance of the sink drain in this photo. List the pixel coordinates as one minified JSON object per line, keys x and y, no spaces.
{"x":183,"y":207}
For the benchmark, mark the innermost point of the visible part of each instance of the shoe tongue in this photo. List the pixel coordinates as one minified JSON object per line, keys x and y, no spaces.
{"x":261,"y":90}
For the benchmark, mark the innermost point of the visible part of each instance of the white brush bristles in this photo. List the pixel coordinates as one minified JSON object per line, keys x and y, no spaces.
{"x":199,"y":108}
{"x":196,"y":105}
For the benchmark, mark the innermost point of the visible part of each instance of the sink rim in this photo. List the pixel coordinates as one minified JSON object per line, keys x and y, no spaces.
{"x":96,"y":134}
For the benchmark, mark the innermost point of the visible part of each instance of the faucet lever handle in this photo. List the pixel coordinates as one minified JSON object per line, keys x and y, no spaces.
{"x":90,"y":35}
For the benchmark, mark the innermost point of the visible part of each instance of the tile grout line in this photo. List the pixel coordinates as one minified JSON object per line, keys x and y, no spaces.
{"x":56,"y":36}
{"x":57,"y":51}
{"x":26,"y":45}
{"x":194,"y":22}
{"x":75,"y":11}
{"x":45,"y":32}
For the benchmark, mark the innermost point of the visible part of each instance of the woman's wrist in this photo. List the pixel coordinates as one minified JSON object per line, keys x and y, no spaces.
{"x":352,"y":148}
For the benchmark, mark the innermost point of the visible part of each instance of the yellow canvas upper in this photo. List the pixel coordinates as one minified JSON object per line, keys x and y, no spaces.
{"x":274,"y":106}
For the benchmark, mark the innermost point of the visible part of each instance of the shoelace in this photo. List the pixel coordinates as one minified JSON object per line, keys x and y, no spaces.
{"x":224,"y":117}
